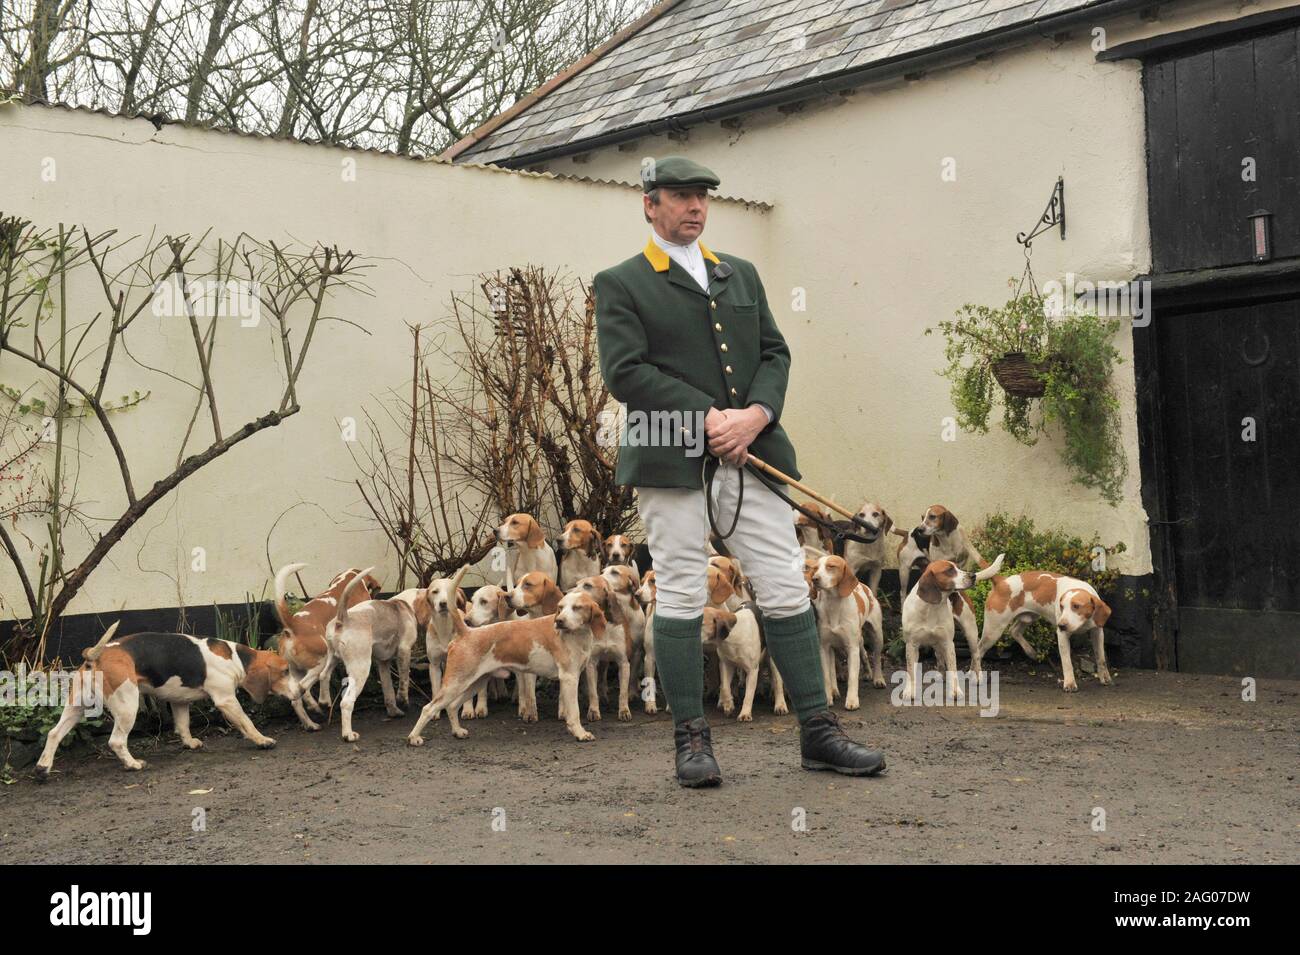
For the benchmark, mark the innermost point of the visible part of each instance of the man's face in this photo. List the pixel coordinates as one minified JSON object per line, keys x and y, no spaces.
{"x":681,"y":213}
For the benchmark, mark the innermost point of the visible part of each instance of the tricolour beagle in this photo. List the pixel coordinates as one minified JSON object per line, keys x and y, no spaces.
{"x":931,"y":614}
{"x":302,"y":641}
{"x":848,"y":619}
{"x":526,"y":548}
{"x":581,"y":551}
{"x":941,"y":538}
{"x":553,"y":646}
{"x":1070,"y":605}
{"x":177,"y":668}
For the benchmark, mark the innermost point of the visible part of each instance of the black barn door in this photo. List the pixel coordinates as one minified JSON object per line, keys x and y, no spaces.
{"x":1230,"y":401}
{"x":1226,"y":364}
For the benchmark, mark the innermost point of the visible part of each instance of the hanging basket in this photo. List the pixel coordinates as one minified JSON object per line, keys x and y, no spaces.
{"x":1021,"y":377}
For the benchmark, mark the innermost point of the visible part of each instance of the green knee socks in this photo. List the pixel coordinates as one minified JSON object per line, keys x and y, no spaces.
{"x":792,"y":641}
{"x":796,"y":650}
{"x":679,"y":657}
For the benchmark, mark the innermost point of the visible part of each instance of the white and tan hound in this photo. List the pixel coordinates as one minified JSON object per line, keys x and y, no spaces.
{"x":848,"y":621}
{"x":526,"y":548}
{"x":614,"y":645}
{"x":619,"y":550}
{"x":380,"y":632}
{"x":931,"y":614}
{"x":302,"y":641}
{"x":943,"y":540}
{"x":174,"y":667}
{"x":581,"y":552}
{"x":552,"y":646}
{"x":1070,"y":605}
{"x":647,"y":595}
{"x":537,"y":595}
{"x":869,"y":559}
{"x":808,"y":532}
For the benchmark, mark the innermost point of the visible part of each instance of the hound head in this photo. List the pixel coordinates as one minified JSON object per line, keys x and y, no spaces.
{"x":937,"y":519}
{"x":874,"y":517}
{"x":618,"y":549}
{"x":717,"y":624}
{"x":520,"y":530}
{"x":266,"y":672}
{"x":943,"y":577}
{"x":490,"y":604}
{"x":598,"y":589}
{"x":582,"y":537}
{"x":621,"y":579}
{"x":578,"y":611}
{"x":1078,"y":610}
{"x":720,"y":588}
{"x":535,"y":589}
{"x":833,"y":575}
{"x":647,"y":592}
{"x":368,"y":589}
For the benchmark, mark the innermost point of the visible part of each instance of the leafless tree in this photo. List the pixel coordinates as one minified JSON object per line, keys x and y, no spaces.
{"x":411,"y":76}
{"x":40,"y":341}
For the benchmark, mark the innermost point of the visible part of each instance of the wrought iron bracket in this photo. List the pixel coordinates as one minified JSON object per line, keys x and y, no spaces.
{"x":1053,"y":215}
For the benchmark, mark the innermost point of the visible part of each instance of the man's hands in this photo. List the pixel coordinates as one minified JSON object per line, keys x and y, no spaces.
{"x":731,"y":431}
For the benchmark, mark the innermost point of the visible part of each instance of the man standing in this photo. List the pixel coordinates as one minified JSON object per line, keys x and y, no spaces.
{"x":687,"y":341}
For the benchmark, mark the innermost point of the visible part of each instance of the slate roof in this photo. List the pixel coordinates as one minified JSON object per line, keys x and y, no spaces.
{"x":690,"y":55}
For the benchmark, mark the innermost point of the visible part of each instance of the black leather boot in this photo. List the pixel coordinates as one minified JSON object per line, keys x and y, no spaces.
{"x":695,"y":763}
{"x":824,"y":745}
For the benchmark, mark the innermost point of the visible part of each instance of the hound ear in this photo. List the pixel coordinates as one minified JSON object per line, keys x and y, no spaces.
{"x":927,"y":589}
{"x":1101,"y":613}
{"x":595,"y":545}
{"x":597,"y":621}
{"x":503,"y":607}
{"x":722,"y":590}
{"x":848,"y":582}
{"x":888,"y":524}
{"x":614,"y":612}
{"x":949,"y":522}
{"x":535,"y":536}
{"x":421,"y":606}
{"x":257,"y":681}
{"x":461,"y":603}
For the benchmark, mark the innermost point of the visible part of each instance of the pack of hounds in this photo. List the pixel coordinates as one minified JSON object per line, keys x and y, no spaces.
{"x":571,"y":611}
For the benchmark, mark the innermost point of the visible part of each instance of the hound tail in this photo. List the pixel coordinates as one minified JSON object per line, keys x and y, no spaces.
{"x":341,"y":615}
{"x":991,"y":570}
{"x":91,"y":654}
{"x":281,"y":603}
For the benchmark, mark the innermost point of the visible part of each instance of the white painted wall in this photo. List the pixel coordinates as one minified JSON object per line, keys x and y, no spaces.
{"x":883,"y":247}
{"x":428,"y":228}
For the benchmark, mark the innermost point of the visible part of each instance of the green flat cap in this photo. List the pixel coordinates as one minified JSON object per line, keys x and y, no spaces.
{"x":675,"y":171}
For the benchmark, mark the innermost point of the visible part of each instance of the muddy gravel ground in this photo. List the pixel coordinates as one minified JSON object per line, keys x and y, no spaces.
{"x":1184,"y":770}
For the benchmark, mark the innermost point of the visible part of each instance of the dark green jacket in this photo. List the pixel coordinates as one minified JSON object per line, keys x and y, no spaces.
{"x":661,"y":341}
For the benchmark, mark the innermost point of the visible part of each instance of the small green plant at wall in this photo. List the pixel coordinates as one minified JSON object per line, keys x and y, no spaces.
{"x":1016,"y":354}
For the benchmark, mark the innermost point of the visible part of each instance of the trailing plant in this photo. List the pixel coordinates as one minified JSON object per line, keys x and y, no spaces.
{"x":1075,"y":359}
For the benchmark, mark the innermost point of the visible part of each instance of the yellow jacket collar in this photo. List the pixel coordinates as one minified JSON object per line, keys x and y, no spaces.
{"x":659,"y":258}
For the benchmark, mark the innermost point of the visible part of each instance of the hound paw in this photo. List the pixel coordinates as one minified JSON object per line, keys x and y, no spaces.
{"x":394,"y":713}
{"x":780,"y":709}
{"x":583,"y":737}
{"x":851,"y":704}
{"x":351,"y":737}
{"x":135,"y":765}
{"x":878,"y":683}
{"x":651,"y":708}
{"x":593,"y":715}
{"x":460,"y":732}
{"x":192,"y":743}
{"x":745,"y":717}
{"x":415,"y":741}
{"x":312,"y":704}
{"x":625,"y":713}
{"x":1070,"y":687}
{"x":467,"y":711}
{"x":311,"y":727}
{"x":265,"y":743}
{"x":480,"y":711}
